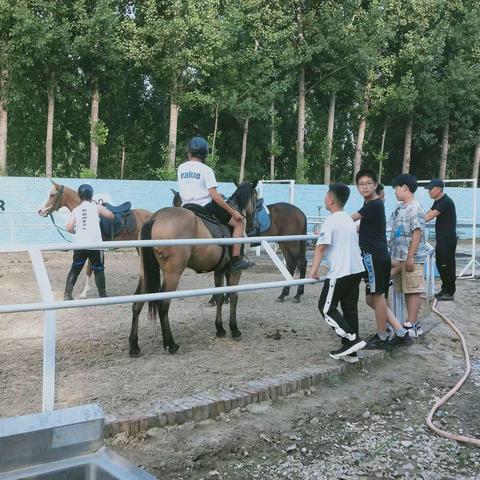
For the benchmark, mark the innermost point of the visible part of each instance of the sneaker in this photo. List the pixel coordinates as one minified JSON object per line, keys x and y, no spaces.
{"x":390,"y":331}
{"x":397,"y":341}
{"x":374,"y":342}
{"x":350,"y":358}
{"x":439,"y":294}
{"x":444,"y":297}
{"x":414,"y":329}
{"x":241,"y":264}
{"x":349,"y":347}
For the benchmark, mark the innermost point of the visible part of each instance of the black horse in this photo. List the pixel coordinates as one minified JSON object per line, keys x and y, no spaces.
{"x":286,"y":219}
{"x":162,"y":267}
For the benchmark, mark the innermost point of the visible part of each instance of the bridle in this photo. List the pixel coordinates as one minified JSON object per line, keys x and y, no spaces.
{"x":55,"y":207}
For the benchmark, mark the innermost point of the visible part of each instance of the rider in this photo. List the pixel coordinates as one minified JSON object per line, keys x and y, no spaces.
{"x":84,"y":222}
{"x":198,"y":185}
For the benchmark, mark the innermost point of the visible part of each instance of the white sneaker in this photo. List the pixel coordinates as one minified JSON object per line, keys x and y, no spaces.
{"x":351,"y":358}
{"x":414,"y":329}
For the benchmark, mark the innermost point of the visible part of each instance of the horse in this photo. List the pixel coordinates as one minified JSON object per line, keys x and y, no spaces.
{"x":286,"y":219}
{"x":63,"y":196}
{"x":162,"y":267}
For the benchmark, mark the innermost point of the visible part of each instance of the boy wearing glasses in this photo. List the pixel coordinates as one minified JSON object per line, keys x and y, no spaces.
{"x":377,"y":261}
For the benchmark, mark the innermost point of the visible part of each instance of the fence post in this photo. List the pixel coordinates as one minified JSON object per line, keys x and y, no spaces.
{"x":49,"y":327}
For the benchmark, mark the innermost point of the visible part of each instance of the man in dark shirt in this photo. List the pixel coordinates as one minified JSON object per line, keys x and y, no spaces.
{"x":377,"y":261}
{"x":443,"y":210}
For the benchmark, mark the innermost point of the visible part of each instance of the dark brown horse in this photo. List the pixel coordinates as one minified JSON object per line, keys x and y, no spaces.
{"x":62,"y":196}
{"x":286,"y":219}
{"x":162,"y":267}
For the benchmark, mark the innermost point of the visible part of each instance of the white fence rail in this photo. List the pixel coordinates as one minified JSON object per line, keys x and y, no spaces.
{"x":49,"y":305}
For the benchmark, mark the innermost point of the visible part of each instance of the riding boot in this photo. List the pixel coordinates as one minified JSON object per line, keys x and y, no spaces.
{"x":71,"y":280}
{"x":100,"y":283}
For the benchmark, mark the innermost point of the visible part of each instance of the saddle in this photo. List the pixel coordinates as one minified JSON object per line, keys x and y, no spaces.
{"x":124,"y":221}
{"x":216,"y":229}
{"x":261,"y":219}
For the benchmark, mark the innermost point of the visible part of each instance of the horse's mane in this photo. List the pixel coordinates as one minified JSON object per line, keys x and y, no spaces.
{"x":242,"y":195}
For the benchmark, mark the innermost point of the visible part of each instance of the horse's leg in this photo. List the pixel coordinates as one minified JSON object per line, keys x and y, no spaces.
{"x":86,"y":288}
{"x":212,"y":302}
{"x":136,"y":309}
{"x":219,"y":297}
{"x":171,"y":276}
{"x":302,"y":268}
{"x":287,"y":254}
{"x":233,"y":277}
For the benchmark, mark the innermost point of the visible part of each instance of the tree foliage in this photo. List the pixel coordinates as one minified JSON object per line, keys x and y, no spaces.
{"x":422,"y":58}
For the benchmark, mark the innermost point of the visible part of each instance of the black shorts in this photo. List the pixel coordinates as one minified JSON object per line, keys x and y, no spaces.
{"x":222,"y":215}
{"x":95,"y":256}
{"x":377,"y":272}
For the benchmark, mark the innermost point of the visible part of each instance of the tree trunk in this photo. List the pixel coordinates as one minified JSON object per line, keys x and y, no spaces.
{"x":330,"y":125}
{"x":443,"y":158}
{"x":49,"y":141}
{"x":301,"y":123}
{"x":3,"y":122}
{"x":476,"y":161}
{"x":244,"y":150}
{"x":172,"y":133}
{"x":122,"y":167}
{"x":93,"y":123}
{"x":382,"y":149}
{"x":407,"y":146}
{"x":215,"y":128}
{"x":272,"y":144}
{"x":357,"y":162}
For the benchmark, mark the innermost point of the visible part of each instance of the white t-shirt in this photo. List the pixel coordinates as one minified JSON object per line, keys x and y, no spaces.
{"x":87,"y":222}
{"x":343,"y":253}
{"x":194,"y":180}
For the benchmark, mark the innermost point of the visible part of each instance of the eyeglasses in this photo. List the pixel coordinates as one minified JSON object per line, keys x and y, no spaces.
{"x":368,"y":184}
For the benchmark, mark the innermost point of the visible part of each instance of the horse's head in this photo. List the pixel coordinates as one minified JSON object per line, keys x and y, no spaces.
{"x":54,"y":200}
{"x":177,"y":199}
{"x":245,"y":199}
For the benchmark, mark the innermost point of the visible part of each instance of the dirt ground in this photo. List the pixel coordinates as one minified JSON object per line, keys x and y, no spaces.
{"x":367,"y":424}
{"x":93,"y":364}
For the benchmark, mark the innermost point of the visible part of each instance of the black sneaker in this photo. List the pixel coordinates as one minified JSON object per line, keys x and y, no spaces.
{"x":444,"y":297}
{"x":397,"y":341}
{"x":374,"y":342}
{"x":241,"y":264}
{"x":349,"y":347}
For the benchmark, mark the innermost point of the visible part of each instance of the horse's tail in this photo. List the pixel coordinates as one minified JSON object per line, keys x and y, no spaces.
{"x":150,"y":267}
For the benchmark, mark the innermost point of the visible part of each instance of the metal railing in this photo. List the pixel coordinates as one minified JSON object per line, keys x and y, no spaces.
{"x":49,"y":305}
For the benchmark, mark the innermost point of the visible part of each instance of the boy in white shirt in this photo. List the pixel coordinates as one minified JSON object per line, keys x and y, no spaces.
{"x":198,"y":185}
{"x":338,"y":243}
{"x":84,"y":221}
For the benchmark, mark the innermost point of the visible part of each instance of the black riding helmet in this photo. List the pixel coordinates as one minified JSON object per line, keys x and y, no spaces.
{"x":198,"y":147}
{"x":85,"y":192}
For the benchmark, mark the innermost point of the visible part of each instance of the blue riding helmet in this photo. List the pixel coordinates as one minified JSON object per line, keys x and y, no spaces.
{"x":198,"y":147}
{"x":85,"y":192}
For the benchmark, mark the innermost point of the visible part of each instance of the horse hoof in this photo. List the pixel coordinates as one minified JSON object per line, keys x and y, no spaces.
{"x":173,"y":348}
{"x":295,"y":300}
{"x":134,"y":352}
{"x":221,"y":333}
{"x":236,"y":334}
{"x":279,"y":300}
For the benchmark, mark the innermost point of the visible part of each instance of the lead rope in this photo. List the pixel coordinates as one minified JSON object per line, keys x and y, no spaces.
{"x":454,"y":390}
{"x":59,"y":229}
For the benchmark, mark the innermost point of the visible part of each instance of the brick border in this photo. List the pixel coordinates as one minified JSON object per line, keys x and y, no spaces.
{"x":203,"y":405}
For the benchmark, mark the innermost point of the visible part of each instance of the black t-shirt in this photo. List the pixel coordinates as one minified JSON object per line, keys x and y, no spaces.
{"x":446,"y":222}
{"x":372,"y":232}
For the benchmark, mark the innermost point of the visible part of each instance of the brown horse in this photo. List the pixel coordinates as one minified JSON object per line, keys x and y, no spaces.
{"x":62,"y":196}
{"x":162,"y":267}
{"x":286,"y":219}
